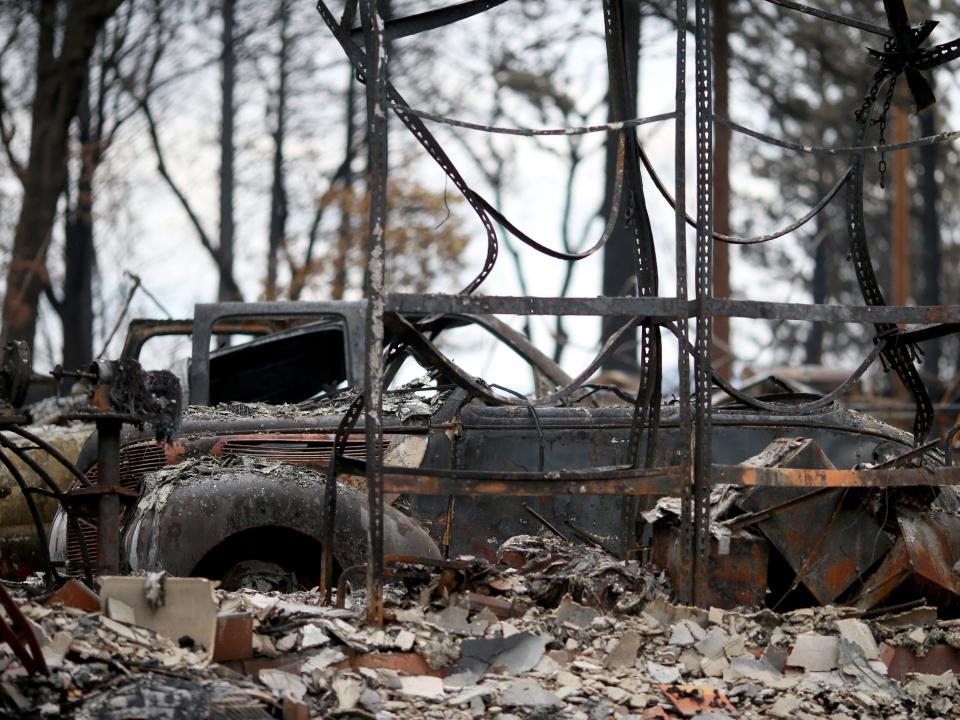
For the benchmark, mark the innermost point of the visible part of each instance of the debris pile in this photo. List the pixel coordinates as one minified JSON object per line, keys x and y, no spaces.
{"x":416,"y":399}
{"x":787,"y":547}
{"x":552,"y":630}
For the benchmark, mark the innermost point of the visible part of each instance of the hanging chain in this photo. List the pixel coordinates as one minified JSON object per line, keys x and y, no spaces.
{"x":868,"y":102}
{"x":882,"y":122}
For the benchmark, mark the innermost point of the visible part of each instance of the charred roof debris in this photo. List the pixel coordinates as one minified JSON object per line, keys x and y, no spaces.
{"x":298,"y":535}
{"x":549,"y":630}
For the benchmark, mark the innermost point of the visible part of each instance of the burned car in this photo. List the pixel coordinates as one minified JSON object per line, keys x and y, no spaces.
{"x":278,"y":399}
{"x":270,"y":403}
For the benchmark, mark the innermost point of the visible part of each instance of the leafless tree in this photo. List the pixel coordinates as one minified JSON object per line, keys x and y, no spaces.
{"x":65,"y":43}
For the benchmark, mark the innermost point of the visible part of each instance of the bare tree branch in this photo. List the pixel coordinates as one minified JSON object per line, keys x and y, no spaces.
{"x":7,"y":133}
{"x":171,"y":183}
{"x":7,"y":130}
{"x":299,"y":274}
{"x":52,"y":298}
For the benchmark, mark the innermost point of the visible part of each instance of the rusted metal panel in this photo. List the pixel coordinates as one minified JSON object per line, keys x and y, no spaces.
{"x":698,"y":700}
{"x":737,"y":578}
{"x":921,"y":564}
{"x":75,"y":594}
{"x":902,"y":661}
{"x":234,"y":640}
{"x":18,"y":634}
{"x":933,"y":543}
{"x":892,"y":573}
{"x":829,"y":541}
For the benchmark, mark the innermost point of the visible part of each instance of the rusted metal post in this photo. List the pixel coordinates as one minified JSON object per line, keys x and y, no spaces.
{"x":704,"y":292}
{"x":108,"y":480}
{"x":683,"y":324}
{"x":19,"y":635}
{"x":373,"y":375}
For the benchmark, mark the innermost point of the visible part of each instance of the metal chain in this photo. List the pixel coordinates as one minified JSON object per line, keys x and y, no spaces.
{"x":870,"y":100}
{"x":882,"y":122}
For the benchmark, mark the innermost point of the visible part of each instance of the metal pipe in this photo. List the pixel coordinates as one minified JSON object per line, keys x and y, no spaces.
{"x":543,"y":521}
{"x":39,"y":471}
{"x":376,"y":88}
{"x":108,"y":479}
{"x":51,"y":450}
{"x":32,"y":507}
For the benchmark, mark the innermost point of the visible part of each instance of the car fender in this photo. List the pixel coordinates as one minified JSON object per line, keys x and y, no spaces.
{"x":176,"y":524}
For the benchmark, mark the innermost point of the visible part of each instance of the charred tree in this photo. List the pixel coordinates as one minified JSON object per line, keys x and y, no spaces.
{"x":339,"y":192}
{"x":343,"y":231}
{"x":278,"y":194}
{"x":64,"y":50}
{"x":76,"y":308}
{"x":228,"y":289}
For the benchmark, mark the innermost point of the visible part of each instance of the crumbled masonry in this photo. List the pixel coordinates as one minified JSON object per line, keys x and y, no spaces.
{"x":552,"y":631}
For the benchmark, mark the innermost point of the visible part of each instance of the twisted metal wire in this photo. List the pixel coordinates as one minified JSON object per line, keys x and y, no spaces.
{"x":939,"y":138}
{"x":534,"y":132}
{"x":757,"y":239}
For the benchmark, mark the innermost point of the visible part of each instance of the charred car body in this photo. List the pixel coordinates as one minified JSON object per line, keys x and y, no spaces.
{"x":279,"y":399}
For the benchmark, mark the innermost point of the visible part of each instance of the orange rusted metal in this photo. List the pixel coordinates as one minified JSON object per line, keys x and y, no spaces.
{"x":933,"y":542}
{"x":820,"y":478}
{"x":892,"y":573}
{"x":902,"y":661}
{"x":921,"y":563}
{"x":737,"y":578}
{"x":75,"y":594}
{"x":827,"y":540}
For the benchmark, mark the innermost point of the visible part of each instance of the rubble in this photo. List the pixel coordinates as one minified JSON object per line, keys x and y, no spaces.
{"x":641,"y":656}
{"x":416,"y":399}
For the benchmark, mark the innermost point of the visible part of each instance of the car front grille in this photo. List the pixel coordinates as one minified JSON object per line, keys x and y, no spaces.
{"x":135,"y":461}
{"x":306,"y":452}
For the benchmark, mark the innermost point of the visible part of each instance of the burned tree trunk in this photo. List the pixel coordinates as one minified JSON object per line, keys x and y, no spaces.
{"x":228,"y":289}
{"x":278,"y":195}
{"x":60,"y":81}
{"x":76,"y":313}
{"x":346,"y":204}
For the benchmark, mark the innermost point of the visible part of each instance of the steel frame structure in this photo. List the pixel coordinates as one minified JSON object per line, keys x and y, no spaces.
{"x":693,"y":476}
